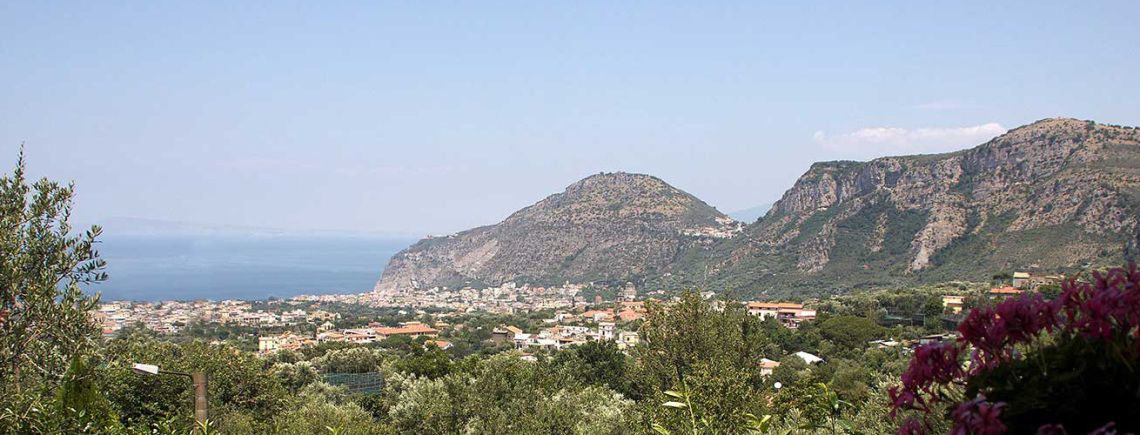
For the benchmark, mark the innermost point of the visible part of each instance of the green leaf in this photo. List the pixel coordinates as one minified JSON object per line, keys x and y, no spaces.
{"x":661,"y":430}
{"x":674,"y":405}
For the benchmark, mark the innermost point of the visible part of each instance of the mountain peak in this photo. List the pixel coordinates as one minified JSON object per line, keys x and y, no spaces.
{"x":608,"y":226}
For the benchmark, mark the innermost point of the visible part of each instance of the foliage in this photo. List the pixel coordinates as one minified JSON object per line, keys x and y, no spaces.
{"x":1036,"y":364}
{"x":715,"y":352}
{"x":350,"y":360}
{"x":505,"y":395}
{"x":595,"y":363}
{"x":44,"y":320}
{"x":430,"y":363}
{"x":237,"y":380}
{"x":851,"y":333}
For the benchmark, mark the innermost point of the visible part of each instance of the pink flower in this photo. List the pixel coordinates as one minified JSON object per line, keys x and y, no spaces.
{"x":933,"y":365}
{"x":993,"y":331}
{"x":1108,"y":429}
{"x":1051,"y":429}
{"x":978,"y":417}
{"x":913,"y":426}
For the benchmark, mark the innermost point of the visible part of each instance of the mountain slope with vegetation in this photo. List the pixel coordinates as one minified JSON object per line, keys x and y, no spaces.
{"x":1054,"y":195}
{"x":609,"y":226}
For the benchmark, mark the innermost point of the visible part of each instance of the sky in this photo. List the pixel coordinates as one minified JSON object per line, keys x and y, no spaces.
{"x":425,"y":117}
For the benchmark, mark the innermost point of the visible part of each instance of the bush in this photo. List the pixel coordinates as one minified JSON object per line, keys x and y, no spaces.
{"x":1035,"y":365}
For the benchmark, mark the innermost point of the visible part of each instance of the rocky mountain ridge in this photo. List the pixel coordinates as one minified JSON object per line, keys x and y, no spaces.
{"x":1055,"y":194}
{"x":609,"y":226}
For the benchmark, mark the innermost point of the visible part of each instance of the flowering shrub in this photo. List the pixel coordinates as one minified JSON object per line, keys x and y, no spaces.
{"x":1031,"y":365}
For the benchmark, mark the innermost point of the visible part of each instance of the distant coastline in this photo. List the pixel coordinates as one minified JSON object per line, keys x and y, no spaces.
{"x":179,"y":266}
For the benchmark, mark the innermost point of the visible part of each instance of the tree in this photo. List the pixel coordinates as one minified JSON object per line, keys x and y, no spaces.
{"x":1050,"y":291}
{"x":44,"y":320}
{"x":715,"y":353}
{"x":851,"y":333}
{"x":241,"y":385}
{"x":595,"y":363}
{"x":431,"y":363}
{"x":351,"y":360}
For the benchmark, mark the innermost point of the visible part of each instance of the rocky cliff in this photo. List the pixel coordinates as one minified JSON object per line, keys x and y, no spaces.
{"x":1051,"y":195}
{"x":614,"y":226}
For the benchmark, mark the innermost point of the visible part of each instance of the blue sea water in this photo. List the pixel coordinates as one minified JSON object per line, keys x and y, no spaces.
{"x":152,"y":268}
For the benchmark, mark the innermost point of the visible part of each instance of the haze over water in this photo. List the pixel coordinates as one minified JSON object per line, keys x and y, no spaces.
{"x":216,"y":267}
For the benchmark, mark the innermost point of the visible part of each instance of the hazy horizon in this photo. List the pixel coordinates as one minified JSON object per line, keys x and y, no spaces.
{"x":424,"y":118}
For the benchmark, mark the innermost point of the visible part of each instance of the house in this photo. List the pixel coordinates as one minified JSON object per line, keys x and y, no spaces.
{"x":564,"y":317}
{"x":763,"y":309}
{"x":266,"y":345}
{"x":504,"y":334}
{"x":953,"y":303}
{"x":412,"y":330}
{"x":630,"y":315}
{"x":883,"y":344}
{"x":627,"y":339}
{"x":791,"y":315}
{"x":809,"y":358}
{"x":328,"y":336}
{"x":1004,"y":292}
{"x":1021,"y":280}
{"x":597,"y":316}
{"x":606,"y":331}
{"x":545,"y":343}
{"x":933,"y":338}
{"x":442,"y":345}
{"x":499,"y":336}
{"x":767,"y":366}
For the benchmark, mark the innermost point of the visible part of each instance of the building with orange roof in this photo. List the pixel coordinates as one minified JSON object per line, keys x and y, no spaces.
{"x":442,"y":345}
{"x":767,"y":366}
{"x":410,"y":330}
{"x":1004,"y":292}
{"x":630,"y":315}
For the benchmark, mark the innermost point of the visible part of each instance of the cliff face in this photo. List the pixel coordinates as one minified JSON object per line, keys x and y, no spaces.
{"x":1053,"y":194}
{"x":606,"y":227}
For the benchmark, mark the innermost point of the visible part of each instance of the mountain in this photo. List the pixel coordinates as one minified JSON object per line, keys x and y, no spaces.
{"x":750,"y":214}
{"x":1049,"y":196}
{"x":610,"y":226}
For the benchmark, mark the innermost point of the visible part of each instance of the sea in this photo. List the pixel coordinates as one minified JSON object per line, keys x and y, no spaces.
{"x":219,"y":267}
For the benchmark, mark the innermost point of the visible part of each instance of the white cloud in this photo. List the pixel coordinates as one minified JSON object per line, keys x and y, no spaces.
{"x":892,"y":141}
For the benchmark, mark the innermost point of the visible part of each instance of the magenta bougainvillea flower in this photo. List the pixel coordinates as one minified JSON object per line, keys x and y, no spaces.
{"x":1105,"y":311}
{"x":978,"y":417}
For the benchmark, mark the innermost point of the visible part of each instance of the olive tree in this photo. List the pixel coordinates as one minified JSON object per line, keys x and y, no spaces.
{"x":44,"y":314}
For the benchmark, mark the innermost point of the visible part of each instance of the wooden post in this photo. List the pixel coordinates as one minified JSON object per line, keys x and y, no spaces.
{"x":200,"y":397}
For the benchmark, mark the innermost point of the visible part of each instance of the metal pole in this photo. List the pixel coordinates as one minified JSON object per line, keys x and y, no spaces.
{"x":200,"y":397}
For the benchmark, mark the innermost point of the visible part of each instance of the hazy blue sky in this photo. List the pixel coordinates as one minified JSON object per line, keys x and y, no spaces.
{"x":426,"y":116}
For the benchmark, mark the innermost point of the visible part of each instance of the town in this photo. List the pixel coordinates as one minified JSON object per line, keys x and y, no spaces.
{"x":573,"y":318}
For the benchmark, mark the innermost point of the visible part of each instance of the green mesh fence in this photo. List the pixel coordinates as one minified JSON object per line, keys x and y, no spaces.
{"x":361,"y":383}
